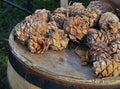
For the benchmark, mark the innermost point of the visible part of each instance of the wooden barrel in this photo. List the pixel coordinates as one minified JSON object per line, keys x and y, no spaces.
{"x":51,"y":70}
{"x":18,"y":82}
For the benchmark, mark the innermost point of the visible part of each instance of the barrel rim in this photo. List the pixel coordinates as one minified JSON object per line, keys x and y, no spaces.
{"x":115,"y":81}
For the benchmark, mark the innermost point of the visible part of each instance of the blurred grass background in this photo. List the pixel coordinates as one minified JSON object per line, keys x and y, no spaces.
{"x":9,"y":17}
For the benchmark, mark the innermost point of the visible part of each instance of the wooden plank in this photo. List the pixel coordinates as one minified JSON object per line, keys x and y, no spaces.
{"x":64,"y":3}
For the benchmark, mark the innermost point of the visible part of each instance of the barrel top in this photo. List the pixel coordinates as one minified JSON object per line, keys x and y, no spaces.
{"x":59,"y":66}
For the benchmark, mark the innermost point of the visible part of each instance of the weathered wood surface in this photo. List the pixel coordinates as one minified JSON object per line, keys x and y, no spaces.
{"x":64,"y":3}
{"x":59,"y":66}
{"x":16,"y":81}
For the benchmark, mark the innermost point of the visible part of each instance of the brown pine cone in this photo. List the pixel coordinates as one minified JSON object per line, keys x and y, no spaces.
{"x":92,"y":15}
{"x":110,"y":22}
{"x":99,"y":5}
{"x":25,"y":30}
{"x":60,"y":10}
{"x":39,"y":29}
{"x":116,"y":56}
{"x":76,"y":9}
{"x":52,"y":26}
{"x":21,"y":32}
{"x":58,"y":40}
{"x":103,"y":64}
{"x":39,"y":15}
{"x":76,"y":27}
{"x":33,"y":25}
{"x":59,"y":18}
{"x":100,"y":35}
{"x":37,"y":44}
{"x":99,"y":50}
{"x":106,"y":68}
{"x":114,"y":45}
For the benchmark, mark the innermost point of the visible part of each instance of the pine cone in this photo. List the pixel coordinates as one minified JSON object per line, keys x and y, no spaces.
{"x":39,"y":15}
{"x":76,"y":27}
{"x":37,"y":44}
{"x":116,"y":56}
{"x":57,"y":39}
{"x":103,"y":64}
{"x":33,"y":25}
{"x":100,"y":35}
{"x":106,"y":68}
{"x":60,"y":10}
{"x":99,"y":50}
{"x":99,"y":5}
{"x":92,"y":15}
{"x":109,"y":21}
{"x":25,"y":30}
{"x":76,"y":9}
{"x":59,"y":18}
{"x":52,"y":26}
{"x":21,"y":32}
{"x":114,"y":45}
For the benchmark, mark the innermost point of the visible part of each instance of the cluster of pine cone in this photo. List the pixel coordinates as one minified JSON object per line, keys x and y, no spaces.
{"x":104,"y":45}
{"x":42,"y":31}
{"x":97,"y":26}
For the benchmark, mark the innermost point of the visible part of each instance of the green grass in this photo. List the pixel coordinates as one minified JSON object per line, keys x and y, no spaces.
{"x":9,"y":17}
